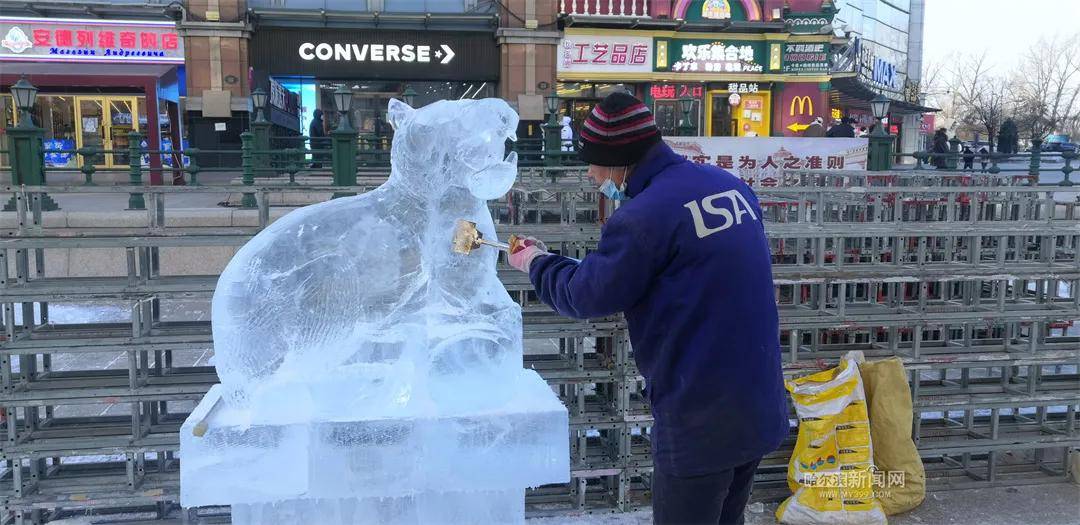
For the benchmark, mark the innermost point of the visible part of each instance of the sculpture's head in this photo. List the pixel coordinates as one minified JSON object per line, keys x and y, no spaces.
{"x":459,"y":143}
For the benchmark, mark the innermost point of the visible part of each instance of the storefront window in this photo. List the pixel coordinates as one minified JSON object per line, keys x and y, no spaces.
{"x":56,"y":115}
{"x":580,"y":99}
{"x":370,"y":100}
{"x":669,"y":117}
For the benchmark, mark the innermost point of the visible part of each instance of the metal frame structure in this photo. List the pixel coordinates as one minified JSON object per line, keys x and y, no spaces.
{"x":974,"y":282}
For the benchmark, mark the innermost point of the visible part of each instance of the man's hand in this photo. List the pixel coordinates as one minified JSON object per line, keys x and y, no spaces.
{"x":524,"y":250}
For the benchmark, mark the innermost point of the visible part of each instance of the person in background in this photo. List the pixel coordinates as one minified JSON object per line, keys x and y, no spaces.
{"x":862,"y":132}
{"x":940,"y":149}
{"x":686,"y":258}
{"x":816,"y":129}
{"x":969,"y":159}
{"x":317,"y":134}
{"x":984,"y":158}
{"x":843,"y":129}
{"x":567,"y":135}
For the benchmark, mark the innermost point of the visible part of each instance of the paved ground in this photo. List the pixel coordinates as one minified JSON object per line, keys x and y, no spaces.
{"x":1057,"y":504}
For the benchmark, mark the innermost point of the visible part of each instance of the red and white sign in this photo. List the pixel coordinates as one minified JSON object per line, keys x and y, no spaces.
{"x":89,"y":40}
{"x":765,"y":162}
{"x":605,"y":54}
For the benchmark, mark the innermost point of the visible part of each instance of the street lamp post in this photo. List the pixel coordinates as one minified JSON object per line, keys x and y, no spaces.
{"x":344,"y":142}
{"x":880,"y":153}
{"x":260,"y":128}
{"x":408,"y":96}
{"x":25,"y":146}
{"x":552,"y":135}
{"x":686,"y":128}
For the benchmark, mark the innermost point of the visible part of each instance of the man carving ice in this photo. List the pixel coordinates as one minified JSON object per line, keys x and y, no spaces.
{"x":686,"y":258}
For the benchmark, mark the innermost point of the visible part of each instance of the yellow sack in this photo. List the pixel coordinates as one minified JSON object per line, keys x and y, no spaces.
{"x":889,"y":400}
{"x":831,"y":469}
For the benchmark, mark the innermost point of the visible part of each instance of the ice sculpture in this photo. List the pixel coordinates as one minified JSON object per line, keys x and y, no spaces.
{"x":368,"y":373}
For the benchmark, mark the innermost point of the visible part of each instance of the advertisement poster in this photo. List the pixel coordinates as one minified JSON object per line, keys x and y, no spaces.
{"x":58,"y":153}
{"x":762,"y":161}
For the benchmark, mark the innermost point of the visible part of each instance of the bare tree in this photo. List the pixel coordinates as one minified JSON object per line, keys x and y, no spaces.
{"x":1046,"y":86}
{"x":981,"y":97}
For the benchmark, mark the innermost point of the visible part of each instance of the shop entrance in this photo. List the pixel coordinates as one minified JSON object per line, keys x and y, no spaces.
{"x":104,"y":123}
{"x":749,"y":117}
{"x":720,"y":122}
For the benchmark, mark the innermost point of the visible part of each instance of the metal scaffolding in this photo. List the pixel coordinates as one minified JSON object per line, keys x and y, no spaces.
{"x":973,"y":281}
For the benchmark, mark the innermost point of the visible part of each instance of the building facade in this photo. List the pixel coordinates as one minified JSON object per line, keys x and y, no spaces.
{"x":883,"y":54}
{"x":99,"y":79}
{"x":741,"y":68}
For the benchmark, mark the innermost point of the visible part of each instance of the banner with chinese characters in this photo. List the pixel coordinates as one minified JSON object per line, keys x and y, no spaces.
{"x":764,"y":161}
{"x":76,"y":40}
{"x":604,"y":54}
{"x":805,"y":58}
{"x":710,"y":56}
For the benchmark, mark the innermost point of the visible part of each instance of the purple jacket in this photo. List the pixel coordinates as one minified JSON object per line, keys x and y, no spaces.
{"x":686,"y":259}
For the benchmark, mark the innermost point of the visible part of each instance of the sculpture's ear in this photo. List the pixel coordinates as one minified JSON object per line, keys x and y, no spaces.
{"x":398,"y":112}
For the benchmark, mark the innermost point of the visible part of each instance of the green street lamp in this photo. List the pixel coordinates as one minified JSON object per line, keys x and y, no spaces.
{"x":879,"y":157}
{"x":686,"y":105}
{"x":24,"y":141}
{"x":879,"y":106}
{"x":25,"y":95}
{"x":258,"y":102}
{"x":343,"y":102}
{"x":409,"y":96}
{"x":552,"y":131}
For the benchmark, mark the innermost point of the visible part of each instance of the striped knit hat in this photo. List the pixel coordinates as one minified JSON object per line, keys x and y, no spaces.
{"x":618,"y":131}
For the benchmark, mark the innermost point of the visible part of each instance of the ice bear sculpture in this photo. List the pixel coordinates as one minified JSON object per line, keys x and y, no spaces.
{"x":368,"y":373}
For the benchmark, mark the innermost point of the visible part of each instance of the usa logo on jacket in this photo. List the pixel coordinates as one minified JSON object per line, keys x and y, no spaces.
{"x":729,"y":205}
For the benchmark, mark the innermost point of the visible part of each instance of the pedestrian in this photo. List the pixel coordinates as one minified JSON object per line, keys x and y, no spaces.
{"x":816,"y":128}
{"x":862,"y":132}
{"x":567,"y":135}
{"x":969,"y":159}
{"x":317,"y":135}
{"x":984,"y":158}
{"x":843,"y":129}
{"x":685,"y":258}
{"x":940,"y":149}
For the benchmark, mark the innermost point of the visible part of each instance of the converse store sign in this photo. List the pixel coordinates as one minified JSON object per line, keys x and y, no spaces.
{"x":375,"y":55}
{"x":377,"y":52}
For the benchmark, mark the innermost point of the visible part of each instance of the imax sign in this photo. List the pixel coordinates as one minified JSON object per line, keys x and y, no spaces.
{"x":884,"y":73}
{"x":408,"y":53}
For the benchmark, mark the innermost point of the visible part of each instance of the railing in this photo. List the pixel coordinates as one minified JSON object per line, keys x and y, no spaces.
{"x":975,"y":287}
{"x":613,"y":8}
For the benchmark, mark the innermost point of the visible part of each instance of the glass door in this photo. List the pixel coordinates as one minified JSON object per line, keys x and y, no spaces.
{"x":721,"y":124}
{"x":90,"y":121}
{"x":123,"y":119}
{"x":104,"y":123}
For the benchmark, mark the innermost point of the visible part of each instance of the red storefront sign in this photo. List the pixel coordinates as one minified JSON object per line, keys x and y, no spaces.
{"x":671,"y":91}
{"x":926,"y":125}
{"x":76,"y":40}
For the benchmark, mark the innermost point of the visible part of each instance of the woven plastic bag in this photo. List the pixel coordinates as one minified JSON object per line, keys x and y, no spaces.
{"x":831,"y":473}
{"x":888,"y":397}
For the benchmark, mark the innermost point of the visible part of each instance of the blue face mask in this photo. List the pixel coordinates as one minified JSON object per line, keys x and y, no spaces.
{"x":612,"y":191}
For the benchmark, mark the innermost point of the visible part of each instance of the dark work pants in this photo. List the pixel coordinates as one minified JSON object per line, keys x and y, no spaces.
{"x":713,"y":498}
